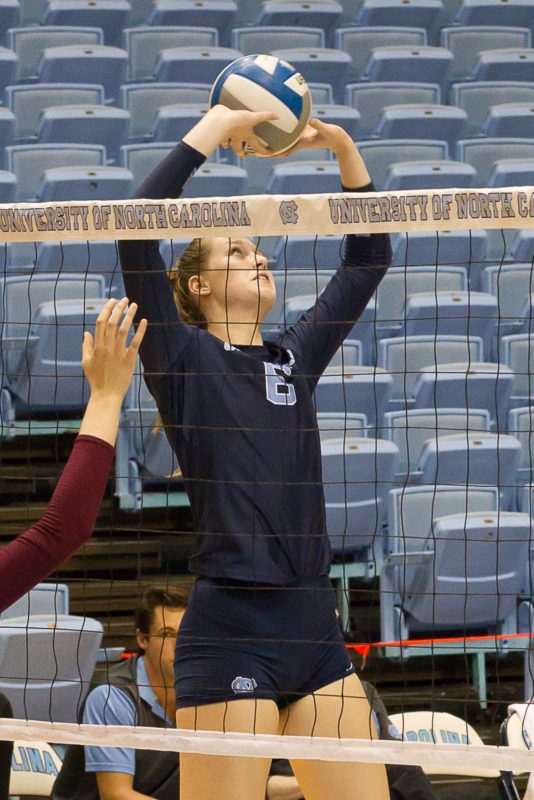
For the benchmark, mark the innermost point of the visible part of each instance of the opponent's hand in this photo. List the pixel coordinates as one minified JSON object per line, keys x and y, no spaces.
{"x":107,"y":360}
{"x":319,"y":135}
{"x":237,"y":131}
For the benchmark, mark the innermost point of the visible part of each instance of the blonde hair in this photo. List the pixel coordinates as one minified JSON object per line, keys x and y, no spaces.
{"x":193,"y":261}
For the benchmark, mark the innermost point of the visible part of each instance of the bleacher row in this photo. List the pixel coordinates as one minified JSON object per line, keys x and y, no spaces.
{"x":449,"y":85}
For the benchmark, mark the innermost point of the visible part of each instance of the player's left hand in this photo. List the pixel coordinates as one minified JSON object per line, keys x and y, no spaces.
{"x":318,"y":135}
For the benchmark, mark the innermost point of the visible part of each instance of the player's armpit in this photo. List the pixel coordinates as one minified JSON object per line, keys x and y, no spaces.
{"x":117,"y":786}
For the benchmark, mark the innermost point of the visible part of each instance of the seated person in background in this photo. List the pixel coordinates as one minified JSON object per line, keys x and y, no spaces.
{"x":139,"y":691}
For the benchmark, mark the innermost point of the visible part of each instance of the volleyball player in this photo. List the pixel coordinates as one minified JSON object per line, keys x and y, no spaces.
{"x":108,"y":363}
{"x":259,"y":649}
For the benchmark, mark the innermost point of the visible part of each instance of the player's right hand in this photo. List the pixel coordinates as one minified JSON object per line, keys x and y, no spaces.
{"x":237,"y":130}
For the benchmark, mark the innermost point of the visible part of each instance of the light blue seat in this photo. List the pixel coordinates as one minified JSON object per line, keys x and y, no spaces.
{"x":8,"y":67}
{"x":321,"y":252}
{"x":400,"y":283}
{"x":345,"y":116}
{"x":429,"y":175}
{"x":99,"y":258}
{"x":326,"y":15}
{"x":348,"y":355}
{"x":513,"y":64}
{"x":99,"y":124}
{"x":468,"y":383}
{"x":405,"y":357}
{"x":371,"y":98}
{"x":411,"y":429}
{"x":477,"y":459}
{"x":359,"y":389}
{"x":522,"y":247}
{"x":9,"y":16}
{"x":27,"y":102}
{"x":75,"y":63}
{"x":512,"y":172}
{"x":172,"y":122}
{"x":219,"y":14}
{"x":416,"y":14}
{"x":7,"y":126}
{"x":431,"y":121}
{"x":29,"y":43}
{"x":195,"y":64}
{"x":44,"y":598}
{"x":47,"y":667}
{"x":515,"y":13}
{"x":379,"y":155}
{"x":510,"y":119}
{"x":319,"y":64}
{"x":359,"y":41}
{"x":109,"y":15}
{"x":478,"y":96}
{"x":483,"y":153}
{"x":141,"y":159}
{"x":294,"y":283}
{"x":510,"y":284}
{"x":84,"y":183}
{"x":143,"y":100}
{"x":8,"y":186}
{"x":29,"y":161}
{"x":304,"y":178}
{"x":409,"y":64}
{"x":460,"y":247}
{"x":339,"y":425}
{"x":217,"y":180}
{"x":259,"y":169}
{"x":517,"y":351}
{"x":145,"y":43}
{"x":139,"y":12}
{"x":31,"y":11}
{"x":466,"y":42}
{"x":265,"y":38}
{"x":521,"y":425}
{"x":321,"y":93}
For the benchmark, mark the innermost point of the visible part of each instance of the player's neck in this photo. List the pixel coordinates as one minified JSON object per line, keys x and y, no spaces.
{"x":236,"y":333}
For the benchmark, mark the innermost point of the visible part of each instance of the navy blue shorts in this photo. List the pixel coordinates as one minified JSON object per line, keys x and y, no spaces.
{"x":240,"y":640}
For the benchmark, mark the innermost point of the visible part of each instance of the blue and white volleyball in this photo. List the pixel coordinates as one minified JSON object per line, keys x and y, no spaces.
{"x":266,"y":83}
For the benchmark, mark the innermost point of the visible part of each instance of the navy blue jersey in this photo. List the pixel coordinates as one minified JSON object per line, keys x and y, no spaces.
{"x":242,"y":420}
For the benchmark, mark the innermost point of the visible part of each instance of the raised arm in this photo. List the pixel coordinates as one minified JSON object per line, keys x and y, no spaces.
{"x":365,"y":258}
{"x":70,"y":518}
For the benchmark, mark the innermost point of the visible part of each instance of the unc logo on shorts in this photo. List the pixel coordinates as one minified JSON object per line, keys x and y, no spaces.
{"x":242,"y":685}
{"x":288,"y":212}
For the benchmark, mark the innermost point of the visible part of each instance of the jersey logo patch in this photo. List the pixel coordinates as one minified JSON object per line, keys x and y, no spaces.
{"x":242,"y":685}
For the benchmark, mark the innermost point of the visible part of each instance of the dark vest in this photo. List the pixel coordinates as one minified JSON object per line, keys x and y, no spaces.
{"x":156,"y":772}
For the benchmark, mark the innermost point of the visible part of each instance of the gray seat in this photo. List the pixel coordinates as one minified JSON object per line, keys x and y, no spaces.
{"x":29,"y":43}
{"x":483,"y":153}
{"x":306,"y":177}
{"x":360,"y":389}
{"x":8,"y":186}
{"x":466,"y":248}
{"x":506,"y":64}
{"x":111,"y":16}
{"x":302,"y":252}
{"x":143,"y":100}
{"x":172,"y":122}
{"x":522,"y":246}
{"x":510,"y":119}
{"x":76,"y":63}
{"x":84,"y":183}
{"x":337,"y":425}
{"x":8,"y":66}
{"x":359,"y":41}
{"x":99,"y":258}
{"x":328,"y":65}
{"x":144,"y":44}
{"x":526,"y":324}
{"x":294,"y":283}
{"x":260,"y":169}
{"x":512,"y":172}
{"x":417,"y":13}
{"x":338,"y":114}
{"x":325,"y":14}
{"x":409,"y":64}
{"x":521,"y":425}
{"x":517,"y":351}
{"x":431,"y":121}
{"x":429,"y":175}
{"x":370,"y":98}
{"x":219,"y":14}
{"x":28,"y":101}
{"x":465,"y":42}
{"x":44,"y":598}
{"x":265,"y":38}
{"x":477,"y":97}
{"x":510,"y":284}
{"x":379,"y":155}
{"x":99,"y":124}
{"x":195,"y":64}
{"x":141,"y":159}
{"x":493,"y":12}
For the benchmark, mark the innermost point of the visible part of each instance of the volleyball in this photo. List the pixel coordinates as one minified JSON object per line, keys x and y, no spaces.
{"x":266,"y":83}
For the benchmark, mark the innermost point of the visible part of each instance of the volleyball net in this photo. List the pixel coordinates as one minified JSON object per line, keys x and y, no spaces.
{"x":425,"y":423}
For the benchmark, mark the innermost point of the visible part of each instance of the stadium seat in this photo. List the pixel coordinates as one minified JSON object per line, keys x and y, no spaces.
{"x":319,"y":64}
{"x":521,"y":425}
{"x":109,"y":15}
{"x":172,"y":122}
{"x":357,"y":474}
{"x":47,"y":667}
{"x":466,"y":42}
{"x":195,"y":64}
{"x":510,"y":284}
{"x":75,"y":63}
{"x":219,"y":14}
{"x":479,"y":459}
{"x":340,"y":425}
{"x":295,"y":283}
{"x":409,"y":64}
{"x":404,"y":358}
{"x":8,"y":67}
{"x":359,"y":41}
{"x":8,"y":186}
{"x":348,"y":355}
{"x":370,"y":98}
{"x":510,"y":119}
{"x":16,"y":256}
{"x":379,"y":155}
{"x":483,"y":153}
{"x":259,"y":169}
{"x":31,"y":11}
{"x":463,"y":248}
{"x":411,"y":429}
{"x":7,"y":126}
{"x":473,"y":384}
{"x":414,"y":14}
{"x":348,"y":118}
{"x":499,"y":244}
{"x":140,"y":11}
{"x":522,"y":247}
{"x":430,"y":121}
{"x":84,"y":183}
{"x":303,"y":252}
{"x":141,"y":159}
{"x":516,"y":13}
{"x":99,"y":124}
{"x":512,"y":172}
{"x":217,"y":180}
{"x":478,"y":96}
{"x":143,"y":100}
{"x":429,"y":175}
{"x":99,"y":258}
{"x":504,"y":65}
{"x":517,"y":351}
{"x":29,"y":43}
{"x":304,"y":178}
{"x":44,"y":598}
{"x":326,"y":15}
{"x":265,"y":38}
{"x":456,"y":313}
{"x":9,"y":16}
{"x":321,"y":93}
{"x":145,"y":43}
{"x":466,"y":574}
{"x":360,"y":389}
{"x":29,"y":161}
{"x":28,"y":101}
{"x":400,"y":283}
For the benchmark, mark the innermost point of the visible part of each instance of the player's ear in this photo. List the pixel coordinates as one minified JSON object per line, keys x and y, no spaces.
{"x":198,"y":285}
{"x":142,"y":639}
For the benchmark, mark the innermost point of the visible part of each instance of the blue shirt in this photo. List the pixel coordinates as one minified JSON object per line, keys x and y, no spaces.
{"x":109,"y":705}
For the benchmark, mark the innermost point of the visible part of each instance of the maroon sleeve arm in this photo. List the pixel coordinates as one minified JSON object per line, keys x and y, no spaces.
{"x":66,"y":525}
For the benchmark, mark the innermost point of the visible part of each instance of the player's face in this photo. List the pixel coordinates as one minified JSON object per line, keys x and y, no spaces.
{"x":160,"y":642}
{"x":240,"y":279}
